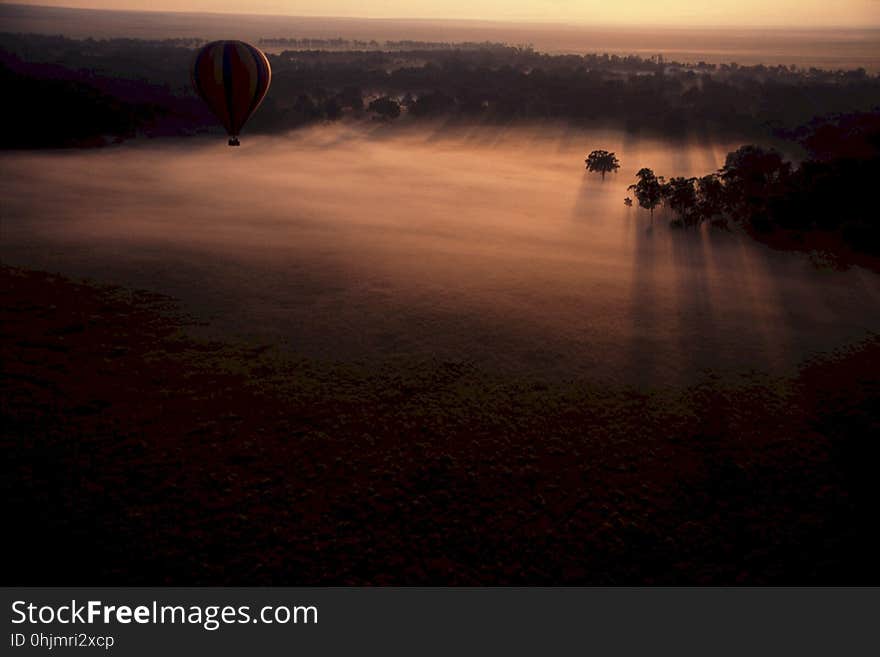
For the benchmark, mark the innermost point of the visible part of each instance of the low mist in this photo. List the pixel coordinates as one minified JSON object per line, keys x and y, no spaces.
{"x":491,"y":246}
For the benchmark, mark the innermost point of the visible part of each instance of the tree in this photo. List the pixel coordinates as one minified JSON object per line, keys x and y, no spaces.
{"x":680,"y":195}
{"x":350,"y":96}
{"x":386,"y":107}
{"x":332,"y":109}
{"x":432,"y":104}
{"x":710,"y":196}
{"x":305,"y":108}
{"x":752,"y":177}
{"x":648,"y":190}
{"x":603,"y":162}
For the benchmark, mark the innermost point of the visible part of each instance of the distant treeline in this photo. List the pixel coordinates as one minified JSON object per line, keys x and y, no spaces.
{"x":358,"y":44}
{"x":119,"y":87}
{"x":828,"y":192}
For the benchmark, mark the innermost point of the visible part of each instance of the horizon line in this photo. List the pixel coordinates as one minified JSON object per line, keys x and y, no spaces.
{"x":574,"y":23}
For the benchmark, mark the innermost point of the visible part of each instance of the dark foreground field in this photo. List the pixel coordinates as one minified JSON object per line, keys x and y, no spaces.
{"x":134,"y":453}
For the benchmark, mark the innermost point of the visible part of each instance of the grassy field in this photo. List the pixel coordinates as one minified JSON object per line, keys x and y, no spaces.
{"x":137,"y":453}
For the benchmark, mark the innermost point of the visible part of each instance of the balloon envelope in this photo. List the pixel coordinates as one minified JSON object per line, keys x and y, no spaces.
{"x":232,"y":77}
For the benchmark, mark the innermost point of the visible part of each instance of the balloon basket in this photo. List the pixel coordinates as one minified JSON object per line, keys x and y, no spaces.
{"x":234,"y":142}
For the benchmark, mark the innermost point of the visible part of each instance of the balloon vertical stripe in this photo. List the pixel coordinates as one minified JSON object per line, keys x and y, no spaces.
{"x":227,"y":86}
{"x":247,"y":60}
{"x":244,"y":82}
{"x":264,"y":76}
{"x":232,"y":77}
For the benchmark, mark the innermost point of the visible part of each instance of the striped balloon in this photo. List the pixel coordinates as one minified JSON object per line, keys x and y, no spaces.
{"x":232,"y":77}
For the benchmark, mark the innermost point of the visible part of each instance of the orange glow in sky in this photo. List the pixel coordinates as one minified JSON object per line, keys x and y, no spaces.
{"x":773,"y":13}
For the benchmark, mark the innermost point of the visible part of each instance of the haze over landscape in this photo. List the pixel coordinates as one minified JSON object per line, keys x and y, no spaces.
{"x":534,"y":292}
{"x":830,"y":43}
{"x":500,"y":252}
{"x":782,"y":13}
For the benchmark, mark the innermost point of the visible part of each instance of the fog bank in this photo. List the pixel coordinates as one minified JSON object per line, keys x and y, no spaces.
{"x":485,"y":245}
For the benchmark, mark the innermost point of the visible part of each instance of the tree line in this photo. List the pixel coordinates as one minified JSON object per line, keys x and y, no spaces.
{"x":313,"y":43}
{"x":828,"y":191}
{"x":477,"y":83}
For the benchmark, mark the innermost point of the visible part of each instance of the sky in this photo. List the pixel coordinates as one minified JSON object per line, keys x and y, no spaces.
{"x":770,"y":13}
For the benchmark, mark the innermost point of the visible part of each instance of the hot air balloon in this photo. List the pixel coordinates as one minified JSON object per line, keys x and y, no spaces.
{"x":232,"y":77}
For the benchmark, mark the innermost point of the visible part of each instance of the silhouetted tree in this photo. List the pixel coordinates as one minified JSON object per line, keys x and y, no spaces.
{"x":350,"y":96}
{"x":306,"y":108}
{"x":332,"y":109}
{"x":648,"y":190}
{"x":710,"y":196}
{"x":753,"y":177}
{"x":386,"y":107}
{"x":829,"y":191}
{"x":432,"y":103}
{"x":680,"y":195}
{"x":603,"y":162}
